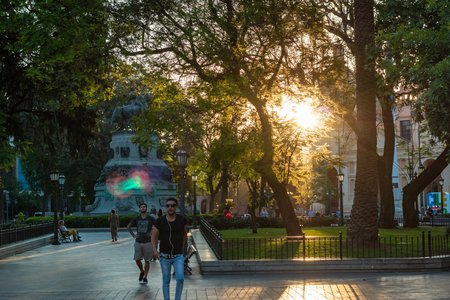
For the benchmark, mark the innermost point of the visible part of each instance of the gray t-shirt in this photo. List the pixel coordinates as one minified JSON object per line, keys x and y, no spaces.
{"x":144,"y":227}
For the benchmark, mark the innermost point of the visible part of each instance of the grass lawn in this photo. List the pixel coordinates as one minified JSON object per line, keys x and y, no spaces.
{"x":327,"y":231}
{"x":323,"y":243}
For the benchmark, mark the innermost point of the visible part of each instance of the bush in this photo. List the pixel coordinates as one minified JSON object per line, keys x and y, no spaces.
{"x":39,"y":220}
{"x":97,"y":221}
{"x":220,"y":223}
{"x":318,"y":221}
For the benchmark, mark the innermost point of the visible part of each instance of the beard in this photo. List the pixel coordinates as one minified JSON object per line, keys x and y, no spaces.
{"x":171,"y":212}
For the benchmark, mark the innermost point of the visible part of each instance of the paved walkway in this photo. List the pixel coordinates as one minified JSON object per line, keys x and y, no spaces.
{"x":99,"y":269}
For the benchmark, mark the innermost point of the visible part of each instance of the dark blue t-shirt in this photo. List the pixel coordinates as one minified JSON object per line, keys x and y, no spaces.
{"x":144,"y":227}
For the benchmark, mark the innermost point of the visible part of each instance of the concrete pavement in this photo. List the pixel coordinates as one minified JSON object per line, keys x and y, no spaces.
{"x":99,"y":269}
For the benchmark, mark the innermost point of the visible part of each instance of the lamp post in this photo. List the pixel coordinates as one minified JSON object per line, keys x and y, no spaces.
{"x":54,"y":177}
{"x":194,"y":181}
{"x":328,"y":211}
{"x":441,"y":184}
{"x":182,"y":163}
{"x":341,"y":199}
{"x":268,"y":193}
{"x":61,"y":181}
{"x":6,"y":193}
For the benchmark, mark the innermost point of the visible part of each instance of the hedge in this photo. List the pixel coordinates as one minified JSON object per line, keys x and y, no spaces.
{"x":97,"y":221}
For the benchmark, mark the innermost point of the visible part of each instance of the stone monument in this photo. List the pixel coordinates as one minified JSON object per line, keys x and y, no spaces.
{"x":133,"y":174}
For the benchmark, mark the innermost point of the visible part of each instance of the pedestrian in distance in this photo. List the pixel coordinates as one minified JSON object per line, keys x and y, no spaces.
{"x":153,"y":214}
{"x":142,"y":245}
{"x":171,"y":231}
{"x":113,"y":224}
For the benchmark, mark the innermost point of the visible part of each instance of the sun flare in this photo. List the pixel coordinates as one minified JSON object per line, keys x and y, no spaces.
{"x":303,"y":114}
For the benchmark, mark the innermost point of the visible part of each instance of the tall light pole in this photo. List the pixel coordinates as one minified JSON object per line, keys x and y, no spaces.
{"x":182,"y":163}
{"x":341,"y":199}
{"x":54,"y":177}
{"x":61,"y":181}
{"x":194,"y":181}
{"x":441,"y":184}
{"x":6,"y":194}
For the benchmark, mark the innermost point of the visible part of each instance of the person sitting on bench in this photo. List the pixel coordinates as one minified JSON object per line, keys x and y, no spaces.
{"x":72,"y":232}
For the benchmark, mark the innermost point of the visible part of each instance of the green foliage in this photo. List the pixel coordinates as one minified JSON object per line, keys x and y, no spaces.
{"x":329,"y":231}
{"x":414,"y":36}
{"x":55,"y":59}
{"x":39,"y":220}
{"x":220,"y":223}
{"x":20,"y":217}
{"x":99,"y":221}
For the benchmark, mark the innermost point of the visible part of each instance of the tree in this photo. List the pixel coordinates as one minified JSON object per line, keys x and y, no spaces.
{"x":354,"y":25}
{"x":415,"y":37}
{"x":363,"y":222}
{"x":243,"y":45}
{"x":50,"y":68}
{"x":55,"y":59}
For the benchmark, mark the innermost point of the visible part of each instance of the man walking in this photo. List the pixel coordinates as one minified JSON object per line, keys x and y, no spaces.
{"x":142,"y":244}
{"x":171,"y":230}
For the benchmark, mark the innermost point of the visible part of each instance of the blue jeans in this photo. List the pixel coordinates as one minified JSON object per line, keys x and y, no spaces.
{"x":166,"y":267}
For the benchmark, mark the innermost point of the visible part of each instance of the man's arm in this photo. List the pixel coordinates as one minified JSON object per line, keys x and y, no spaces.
{"x":155,"y":236}
{"x":129,"y":229}
{"x":185,"y":231}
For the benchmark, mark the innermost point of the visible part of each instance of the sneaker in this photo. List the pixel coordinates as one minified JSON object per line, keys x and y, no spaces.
{"x":141,"y":276}
{"x":145,"y":281}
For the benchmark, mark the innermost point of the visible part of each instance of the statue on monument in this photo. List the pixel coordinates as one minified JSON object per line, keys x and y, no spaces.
{"x":133,"y":174}
{"x":123,"y":115}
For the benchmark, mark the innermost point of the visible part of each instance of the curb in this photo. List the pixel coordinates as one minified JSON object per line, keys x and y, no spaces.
{"x":26,"y":245}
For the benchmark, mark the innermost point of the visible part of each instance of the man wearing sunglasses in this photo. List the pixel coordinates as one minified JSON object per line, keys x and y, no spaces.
{"x":142,"y":244}
{"x":171,"y":230}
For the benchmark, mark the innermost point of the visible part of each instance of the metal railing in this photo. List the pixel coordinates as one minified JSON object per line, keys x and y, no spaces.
{"x":17,"y":234}
{"x":212,"y":236}
{"x":324,"y":248}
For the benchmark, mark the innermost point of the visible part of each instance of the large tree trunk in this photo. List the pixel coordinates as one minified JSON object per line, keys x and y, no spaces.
{"x":212,"y":191}
{"x":412,"y":189}
{"x":387,"y":208}
{"x":364,"y":215}
{"x":265,"y":167}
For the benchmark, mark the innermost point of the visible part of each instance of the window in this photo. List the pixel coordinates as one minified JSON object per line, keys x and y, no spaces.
{"x":405,"y":129}
{"x":124,"y":152}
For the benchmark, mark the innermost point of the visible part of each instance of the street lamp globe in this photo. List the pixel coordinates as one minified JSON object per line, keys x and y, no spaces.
{"x":61,"y":179}
{"x":182,"y":158}
{"x":54,"y":175}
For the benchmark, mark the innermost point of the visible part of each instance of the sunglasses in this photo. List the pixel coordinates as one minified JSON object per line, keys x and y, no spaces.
{"x":171,"y":205}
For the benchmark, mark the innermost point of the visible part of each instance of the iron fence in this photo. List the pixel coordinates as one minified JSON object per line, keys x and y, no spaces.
{"x":17,"y":234}
{"x":212,"y":236}
{"x":325,"y":248}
